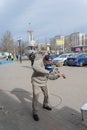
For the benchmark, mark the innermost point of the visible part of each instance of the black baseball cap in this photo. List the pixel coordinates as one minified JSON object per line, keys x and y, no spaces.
{"x":47,"y":57}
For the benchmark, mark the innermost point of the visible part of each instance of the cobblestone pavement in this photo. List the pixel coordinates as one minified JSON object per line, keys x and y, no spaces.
{"x":66,"y":97}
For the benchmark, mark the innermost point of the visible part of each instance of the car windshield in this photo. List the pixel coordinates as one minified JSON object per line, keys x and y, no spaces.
{"x":77,"y":55}
{"x":53,"y":56}
{"x":63,"y":56}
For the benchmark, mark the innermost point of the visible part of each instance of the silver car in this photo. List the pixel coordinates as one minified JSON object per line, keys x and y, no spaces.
{"x":62,"y":58}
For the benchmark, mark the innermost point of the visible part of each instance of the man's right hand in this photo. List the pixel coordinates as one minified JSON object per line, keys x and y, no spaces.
{"x":64,"y":76}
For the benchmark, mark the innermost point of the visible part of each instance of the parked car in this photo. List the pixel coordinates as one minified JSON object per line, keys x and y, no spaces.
{"x":53,"y":56}
{"x":79,"y":59}
{"x":62,"y":58}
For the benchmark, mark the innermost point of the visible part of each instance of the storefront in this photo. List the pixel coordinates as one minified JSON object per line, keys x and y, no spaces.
{"x":79,"y":48}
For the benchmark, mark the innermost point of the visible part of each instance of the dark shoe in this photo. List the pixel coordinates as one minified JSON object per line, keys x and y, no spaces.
{"x":35,"y":116}
{"x":47,"y":108}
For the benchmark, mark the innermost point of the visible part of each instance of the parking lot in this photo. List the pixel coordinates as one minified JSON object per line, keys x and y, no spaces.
{"x":73,"y":88}
{"x":66,"y":97}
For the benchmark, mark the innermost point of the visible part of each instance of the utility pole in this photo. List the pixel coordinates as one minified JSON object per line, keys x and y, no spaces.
{"x":20,"y":51}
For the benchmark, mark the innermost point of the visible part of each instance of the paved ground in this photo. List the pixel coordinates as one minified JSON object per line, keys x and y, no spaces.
{"x":66,"y":98}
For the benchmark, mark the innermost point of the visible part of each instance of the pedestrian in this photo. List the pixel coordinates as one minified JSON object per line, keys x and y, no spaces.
{"x":39,"y":81}
{"x":32,"y":58}
{"x":12,"y":57}
{"x":17,"y":57}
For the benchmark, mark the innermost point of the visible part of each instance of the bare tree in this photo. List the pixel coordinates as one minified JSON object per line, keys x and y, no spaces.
{"x":7,"y":42}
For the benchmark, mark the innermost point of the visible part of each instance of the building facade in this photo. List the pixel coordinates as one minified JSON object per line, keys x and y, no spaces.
{"x":57,"y":43}
{"x":73,"y":40}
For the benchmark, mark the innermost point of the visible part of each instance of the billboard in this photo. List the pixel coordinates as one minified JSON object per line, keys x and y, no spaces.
{"x":59,"y":41}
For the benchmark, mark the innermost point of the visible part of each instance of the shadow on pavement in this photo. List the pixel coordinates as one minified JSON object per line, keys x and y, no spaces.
{"x":22,"y":95}
{"x":16,"y":114}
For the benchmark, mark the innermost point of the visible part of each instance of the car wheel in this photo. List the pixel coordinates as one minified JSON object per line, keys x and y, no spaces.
{"x":81,"y":64}
{"x":65,"y":63}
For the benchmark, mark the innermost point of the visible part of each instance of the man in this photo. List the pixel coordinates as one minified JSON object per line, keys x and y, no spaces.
{"x":39,"y":81}
{"x":32,"y":58}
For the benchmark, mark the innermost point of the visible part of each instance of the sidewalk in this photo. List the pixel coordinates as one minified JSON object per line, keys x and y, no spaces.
{"x":16,"y":103}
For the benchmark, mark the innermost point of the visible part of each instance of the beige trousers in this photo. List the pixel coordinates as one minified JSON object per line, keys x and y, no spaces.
{"x":36,"y":92}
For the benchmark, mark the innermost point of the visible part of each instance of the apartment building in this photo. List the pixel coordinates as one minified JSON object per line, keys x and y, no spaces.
{"x":74,"y":40}
{"x":77,"y":39}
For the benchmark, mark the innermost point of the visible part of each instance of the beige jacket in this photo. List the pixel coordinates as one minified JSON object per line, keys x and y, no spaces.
{"x":39,"y":76}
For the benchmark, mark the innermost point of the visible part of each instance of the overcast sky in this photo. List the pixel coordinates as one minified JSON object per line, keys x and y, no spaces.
{"x":47,"y":18}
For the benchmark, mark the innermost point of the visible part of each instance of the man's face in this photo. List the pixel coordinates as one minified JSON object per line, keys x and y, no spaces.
{"x":47,"y":61}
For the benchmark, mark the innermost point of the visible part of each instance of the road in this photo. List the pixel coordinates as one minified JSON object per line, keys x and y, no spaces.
{"x":66,"y":96}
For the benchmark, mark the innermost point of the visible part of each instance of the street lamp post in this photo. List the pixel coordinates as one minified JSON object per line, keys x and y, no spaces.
{"x":20,"y":52}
